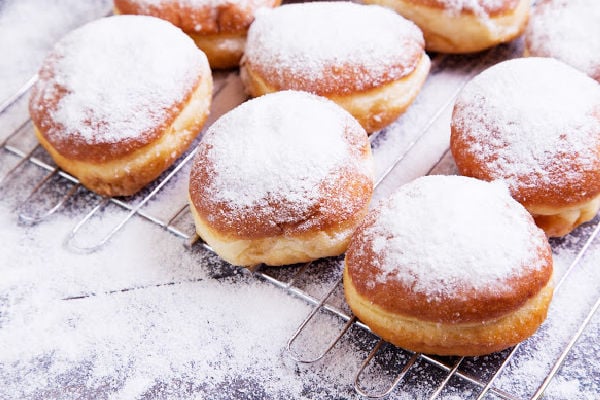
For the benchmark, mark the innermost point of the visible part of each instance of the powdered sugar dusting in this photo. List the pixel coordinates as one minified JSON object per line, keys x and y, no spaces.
{"x":568,"y":30}
{"x":122,"y":77}
{"x":220,"y":336}
{"x":183,"y":3}
{"x":23,"y":47}
{"x":482,"y":9}
{"x":479,"y":7}
{"x":442,"y":234}
{"x":282,"y":145}
{"x":303,"y":39}
{"x":526,"y":117}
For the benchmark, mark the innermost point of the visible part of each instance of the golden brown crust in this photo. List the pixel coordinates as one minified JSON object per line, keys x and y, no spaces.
{"x":491,"y":8}
{"x":425,"y":273}
{"x":43,"y":104}
{"x":282,"y":248}
{"x":223,"y":50}
{"x":336,"y":80}
{"x":461,"y":339}
{"x":557,"y":208}
{"x":219,"y":30}
{"x":560,"y":221}
{"x":345,"y":187}
{"x":464,"y":307}
{"x":356,"y":190}
{"x":131,"y":170}
{"x":288,"y":57}
{"x":561,"y":194}
{"x":543,"y":141}
{"x":227,"y":17}
{"x":274,"y":186}
{"x":373,"y":109}
{"x":567,"y":193}
{"x":464,"y":32}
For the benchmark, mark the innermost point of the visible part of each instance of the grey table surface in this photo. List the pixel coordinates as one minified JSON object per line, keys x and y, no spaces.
{"x":149,"y":316}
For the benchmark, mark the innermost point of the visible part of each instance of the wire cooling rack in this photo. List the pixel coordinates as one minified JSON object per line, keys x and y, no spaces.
{"x":387,"y":371}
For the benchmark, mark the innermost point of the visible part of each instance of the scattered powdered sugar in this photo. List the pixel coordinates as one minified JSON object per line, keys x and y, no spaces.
{"x":478,"y":7}
{"x":281,"y":145}
{"x":199,"y":16}
{"x":122,"y":77}
{"x":207,"y":330}
{"x":482,"y":9}
{"x":304,"y":39}
{"x":568,"y":30}
{"x":535,"y":358}
{"x":131,"y":344}
{"x":182,"y":3}
{"x":27,"y":32}
{"x":527,"y":117}
{"x":441,"y":234}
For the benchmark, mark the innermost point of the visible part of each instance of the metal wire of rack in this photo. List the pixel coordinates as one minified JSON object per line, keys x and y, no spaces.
{"x":446,"y":368}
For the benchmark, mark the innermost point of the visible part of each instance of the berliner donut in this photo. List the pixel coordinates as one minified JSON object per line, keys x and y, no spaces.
{"x":367,"y":59}
{"x":568,"y":30}
{"x":281,"y":179}
{"x":449,"y":265}
{"x":218,"y":27}
{"x":463,"y":26}
{"x":535,"y":124}
{"x":119,"y":100}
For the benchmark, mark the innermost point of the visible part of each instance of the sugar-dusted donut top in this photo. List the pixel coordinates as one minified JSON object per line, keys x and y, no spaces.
{"x":449,"y":248}
{"x":113,"y":85}
{"x":280,"y":163}
{"x":479,"y":8}
{"x":568,"y":30}
{"x":332,"y":47}
{"x":534,"y":123}
{"x":199,"y":16}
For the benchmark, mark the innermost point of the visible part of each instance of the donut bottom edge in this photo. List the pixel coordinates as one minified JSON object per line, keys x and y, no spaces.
{"x":374,"y":109}
{"x":278,"y":250}
{"x":451,"y":339}
{"x":127,"y":175}
{"x":223,"y":50}
{"x":557,"y":222}
{"x":464,"y":33}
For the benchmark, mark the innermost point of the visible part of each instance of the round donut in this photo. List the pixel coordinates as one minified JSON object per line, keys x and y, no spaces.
{"x":535,"y":124}
{"x":568,"y":30}
{"x":281,"y":179}
{"x":463,"y":26}
{"x":119,"y":100}
{"x":367,"y":59}
{"x":449,"y":265}
{"x":218,"y":27}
